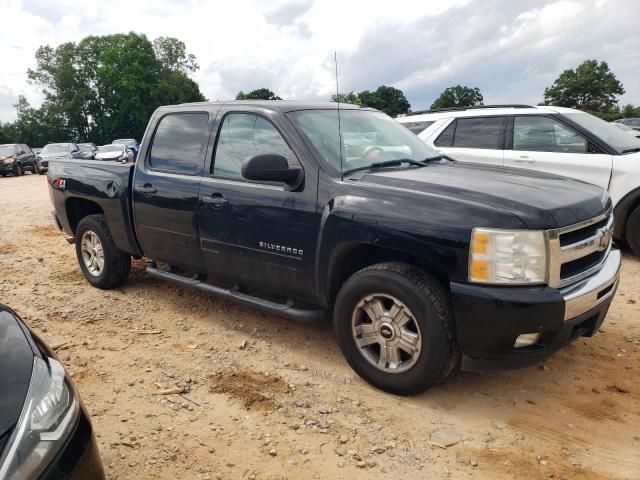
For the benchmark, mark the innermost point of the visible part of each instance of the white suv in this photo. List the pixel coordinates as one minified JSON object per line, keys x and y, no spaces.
{"x":550,"y":139}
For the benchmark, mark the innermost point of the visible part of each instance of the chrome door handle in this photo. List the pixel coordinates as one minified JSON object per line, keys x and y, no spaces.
{"x":146,"y":189}
{"x":216,"y":201}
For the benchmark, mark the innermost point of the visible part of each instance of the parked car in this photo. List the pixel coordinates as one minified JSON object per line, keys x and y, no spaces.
{"x":549,"y":139}
{"x":115,"y":152}
{"x":633,"y":122}
{"x":627,"y":128}
{"x":16,"y":158}
{"x":88,"y":150}
{"x":419,"y":258}
{"x":57,"y":151}
{"x":131,"y":143}
{"x":45,"y":431}
{"x":36,"y":151}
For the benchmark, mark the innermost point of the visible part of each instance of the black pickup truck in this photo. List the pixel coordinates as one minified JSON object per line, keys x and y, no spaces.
{"x":309,"y":210}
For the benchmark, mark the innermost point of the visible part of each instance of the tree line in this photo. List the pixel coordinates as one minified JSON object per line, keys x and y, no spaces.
{"x":106,"y":87}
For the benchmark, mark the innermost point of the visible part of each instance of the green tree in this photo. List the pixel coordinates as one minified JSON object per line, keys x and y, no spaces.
{"x":39,"y":126}
{"x":629,"y":111}
{"x":259,"y":94}
{"x":591,"y":86}
{"x":390,"y":100}
{"x":346,"y":98}
{"x":105,"y":87}
{"x":173,"y":57}
{"x":459,"y":96}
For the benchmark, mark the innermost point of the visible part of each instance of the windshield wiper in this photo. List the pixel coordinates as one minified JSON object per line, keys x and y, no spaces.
{"x":631,"y":150}
{"x":387,"y":163}
{"x":436,"y":158}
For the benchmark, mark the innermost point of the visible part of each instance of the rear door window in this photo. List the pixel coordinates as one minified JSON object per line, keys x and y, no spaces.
{"x":177,"y":143}
{"x":480,"y":132}
{"x":446,"y":137}
{"x":543,"y":134}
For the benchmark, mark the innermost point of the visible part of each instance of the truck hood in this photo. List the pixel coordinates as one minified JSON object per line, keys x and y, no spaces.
{"x":540,"y":200}
{"x":16,"y":362}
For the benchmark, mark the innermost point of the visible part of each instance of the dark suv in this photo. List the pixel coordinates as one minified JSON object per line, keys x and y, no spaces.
{"x":15,"y":158}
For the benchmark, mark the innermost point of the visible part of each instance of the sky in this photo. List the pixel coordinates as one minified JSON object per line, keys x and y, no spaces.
{"x":510,"y":49}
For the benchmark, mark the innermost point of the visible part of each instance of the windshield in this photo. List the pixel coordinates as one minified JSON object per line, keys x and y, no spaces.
{"x":615,"y":137}
{"x":56,"y":148}
{"x":7,"y":150}
{"x":110,"y":148}
{"x":368,"y":137}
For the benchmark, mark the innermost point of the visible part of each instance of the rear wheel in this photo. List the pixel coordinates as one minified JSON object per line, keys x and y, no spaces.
{"x":633,"y":231}
{"x":103,"y":265}
{"x":395,"y":328}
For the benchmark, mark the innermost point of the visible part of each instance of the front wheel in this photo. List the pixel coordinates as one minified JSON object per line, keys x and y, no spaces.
{"x":36,"y":168}
{"x":103,"y":265}
{"x":18,"y":172}
{"x":633,"y":231}
{"x":395,"y":328}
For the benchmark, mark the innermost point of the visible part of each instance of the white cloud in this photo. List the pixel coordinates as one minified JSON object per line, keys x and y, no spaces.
{"x":511,"y":50}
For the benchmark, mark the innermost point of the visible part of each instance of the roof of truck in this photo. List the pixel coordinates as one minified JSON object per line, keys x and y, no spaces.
{"x":279,"y":105}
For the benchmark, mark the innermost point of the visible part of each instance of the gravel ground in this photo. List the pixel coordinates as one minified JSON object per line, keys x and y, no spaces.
{"x":269,"y":398}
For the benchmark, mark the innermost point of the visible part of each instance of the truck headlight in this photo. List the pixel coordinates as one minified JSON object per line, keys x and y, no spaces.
{"x":515,"y":257}
{"x":48,"y":418}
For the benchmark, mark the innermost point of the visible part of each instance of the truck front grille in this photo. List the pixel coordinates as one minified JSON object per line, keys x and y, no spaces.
{"x":580,"y":250}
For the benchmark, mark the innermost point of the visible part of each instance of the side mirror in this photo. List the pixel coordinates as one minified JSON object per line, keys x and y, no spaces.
{"x":21,"y":152}
{"x":271,"y":167}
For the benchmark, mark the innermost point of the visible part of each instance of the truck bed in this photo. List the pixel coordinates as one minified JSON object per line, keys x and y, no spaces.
{"x":88,"y":184}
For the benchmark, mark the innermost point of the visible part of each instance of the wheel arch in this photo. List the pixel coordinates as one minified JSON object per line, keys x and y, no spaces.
{"x":351,"y":257}
{"x":622,"y":211}
{"x":78,"y":208}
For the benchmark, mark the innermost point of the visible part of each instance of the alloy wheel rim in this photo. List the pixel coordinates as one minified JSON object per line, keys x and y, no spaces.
{"x":386,"y":333}
{"x":92,"y":253}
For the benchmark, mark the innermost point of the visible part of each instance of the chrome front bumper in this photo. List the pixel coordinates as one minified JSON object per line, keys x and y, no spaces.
{"x":587,"y":294}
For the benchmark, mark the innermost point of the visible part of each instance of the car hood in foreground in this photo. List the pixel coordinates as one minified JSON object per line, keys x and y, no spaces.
{"x":540,"y":200}
{"x":16,"y":363}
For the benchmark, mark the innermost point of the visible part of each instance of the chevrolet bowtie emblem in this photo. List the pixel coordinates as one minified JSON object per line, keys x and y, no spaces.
{"x":605,"y":239}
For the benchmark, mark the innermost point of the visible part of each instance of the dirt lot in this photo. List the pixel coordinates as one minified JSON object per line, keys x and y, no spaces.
{"x":270,"y":398}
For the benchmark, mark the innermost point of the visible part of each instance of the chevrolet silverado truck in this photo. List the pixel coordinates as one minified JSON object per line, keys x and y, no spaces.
{"x":312,"y":210}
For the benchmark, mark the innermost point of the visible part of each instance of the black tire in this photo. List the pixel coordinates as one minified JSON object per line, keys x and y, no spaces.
{"x":18,"y":172}
{"x":430,"y":305}
{"x":36,"y":169}
{"x":42,"y":171}
{"x":633,"y":231}
{"x":116,"y":263}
